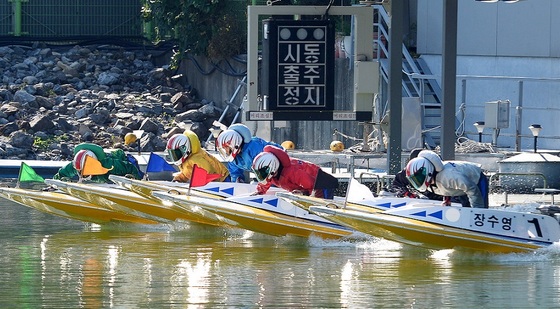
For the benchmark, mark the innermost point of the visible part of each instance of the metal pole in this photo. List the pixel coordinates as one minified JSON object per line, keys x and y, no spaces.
{"x":519,"y":118}
{"x":449,"y":79}
{"x":464,"y":91}
{"x":535,"y":144}
{"x":17,"y":17}
{"x":395,"y":88}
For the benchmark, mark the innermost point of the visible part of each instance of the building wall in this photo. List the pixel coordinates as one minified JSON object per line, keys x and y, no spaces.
{"x":522,"y":29}
{"x":505,"y":52}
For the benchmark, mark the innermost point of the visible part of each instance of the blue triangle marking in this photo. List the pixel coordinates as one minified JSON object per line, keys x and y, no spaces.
{"x":273,"y":202}
{"x":258,"y":201}
{"x":399,"y":205}
{"x":228,"y":191}
{"x":215,"y":189}
{"x":438,"y":214}
{"x":419,"y":214}
{"x":386,"y":205}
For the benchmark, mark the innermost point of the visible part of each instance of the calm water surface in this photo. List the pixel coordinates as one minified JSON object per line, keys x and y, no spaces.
{"x":52,"y":262}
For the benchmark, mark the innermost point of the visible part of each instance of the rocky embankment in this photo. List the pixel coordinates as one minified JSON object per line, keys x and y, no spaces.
{"x":53,"y":98}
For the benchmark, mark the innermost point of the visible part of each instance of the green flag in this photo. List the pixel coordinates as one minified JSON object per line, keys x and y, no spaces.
{"x":27,"y":173}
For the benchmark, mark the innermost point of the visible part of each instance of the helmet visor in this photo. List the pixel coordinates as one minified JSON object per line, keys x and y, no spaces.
{"x":262,"y":173}
{"x":418,"y":179}
{"x":226,"y":153}
{"x":175,"y":155}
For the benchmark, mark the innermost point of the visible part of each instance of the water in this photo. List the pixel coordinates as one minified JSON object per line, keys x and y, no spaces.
{"x":52,"y":262}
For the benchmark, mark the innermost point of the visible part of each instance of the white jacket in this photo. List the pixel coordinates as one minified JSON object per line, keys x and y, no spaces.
{"x":460,"y":178}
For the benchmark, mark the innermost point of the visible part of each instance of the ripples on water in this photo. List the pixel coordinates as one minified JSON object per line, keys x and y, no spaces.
{"x":52,"y":262}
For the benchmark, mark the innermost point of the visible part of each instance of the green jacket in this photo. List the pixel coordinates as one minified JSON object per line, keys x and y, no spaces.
{"x":116,"y":160}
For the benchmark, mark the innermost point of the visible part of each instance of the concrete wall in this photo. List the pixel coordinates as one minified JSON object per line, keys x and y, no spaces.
{"x":215,"y":82}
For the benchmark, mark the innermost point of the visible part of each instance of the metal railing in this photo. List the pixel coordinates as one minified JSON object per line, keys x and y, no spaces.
{"x":61,"y":18}
{"x":380,"y":181}
{"x":491,"y":180}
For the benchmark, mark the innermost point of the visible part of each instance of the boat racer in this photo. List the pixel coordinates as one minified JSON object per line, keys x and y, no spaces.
{"x":238,"y":148}
{"x":448,"y":178}
{"x":274,"y":166}
{"x":117,"y":161}
{"x":185,"y":151}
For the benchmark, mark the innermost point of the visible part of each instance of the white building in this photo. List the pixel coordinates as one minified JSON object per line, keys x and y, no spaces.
{"x":505,"y":51}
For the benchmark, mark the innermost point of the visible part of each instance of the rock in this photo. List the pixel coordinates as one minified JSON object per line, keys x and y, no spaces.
{"x":41,"y":123}
{"x":108,"y":78}
{"x":193,"y":115}
{"x":21,"y":140}
{"x":91,"y":93}
{"x":149,"y":126}
{"x":22,"y":96}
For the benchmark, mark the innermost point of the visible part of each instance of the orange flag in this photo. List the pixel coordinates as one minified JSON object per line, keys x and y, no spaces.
{"x":200,"y":177}
{"x":92,"y":166}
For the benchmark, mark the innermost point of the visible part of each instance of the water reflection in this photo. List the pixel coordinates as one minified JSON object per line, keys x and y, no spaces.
{"x":55,"y":262}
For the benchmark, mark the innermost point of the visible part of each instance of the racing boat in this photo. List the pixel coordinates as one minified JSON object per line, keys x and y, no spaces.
{"x":212,"y":191}
{"x":64,"y":205}
{"x":449,"y":227}
{"x":118,"y":199}
{"x":358,"y":197}
{"x":265,"y":214}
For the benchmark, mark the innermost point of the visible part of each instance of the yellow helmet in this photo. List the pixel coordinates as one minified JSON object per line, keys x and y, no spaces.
{"x":337,"y":146}
{"x":288,"y":145}
{"x":130,"y":138}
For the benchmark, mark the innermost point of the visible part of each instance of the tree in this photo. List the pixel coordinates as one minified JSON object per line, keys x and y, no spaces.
{"x":212,"y":28}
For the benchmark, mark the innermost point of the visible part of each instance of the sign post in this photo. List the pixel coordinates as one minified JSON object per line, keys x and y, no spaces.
{"x":297,"y":80}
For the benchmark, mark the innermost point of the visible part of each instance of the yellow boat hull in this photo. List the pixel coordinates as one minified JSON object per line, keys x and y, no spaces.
{"x":214,"y":190}
{"x":264,"y":221}
{"x":427,"y":234}
{"x":67,"y":206}
{"x":128,"y":202}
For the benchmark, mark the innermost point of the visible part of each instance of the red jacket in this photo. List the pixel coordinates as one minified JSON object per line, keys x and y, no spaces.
{"x":295,"y":174}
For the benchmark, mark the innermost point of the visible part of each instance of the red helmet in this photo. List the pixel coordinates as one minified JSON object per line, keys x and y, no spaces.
{"x":80,"y":158}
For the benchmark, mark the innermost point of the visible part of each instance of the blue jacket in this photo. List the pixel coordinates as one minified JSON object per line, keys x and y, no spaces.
{"x":244,"y":160}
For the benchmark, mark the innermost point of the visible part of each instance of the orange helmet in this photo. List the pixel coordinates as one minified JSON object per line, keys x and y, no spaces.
{"x":288,"y":145}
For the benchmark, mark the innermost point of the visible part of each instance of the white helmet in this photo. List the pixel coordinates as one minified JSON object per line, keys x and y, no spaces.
{"x":229,"y":144}
{"x":433,"y":157}
{"x":419,"y":172}
{"x":178,"y":148}
{"x":80,"y":158}
{"x":265,"y":165}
